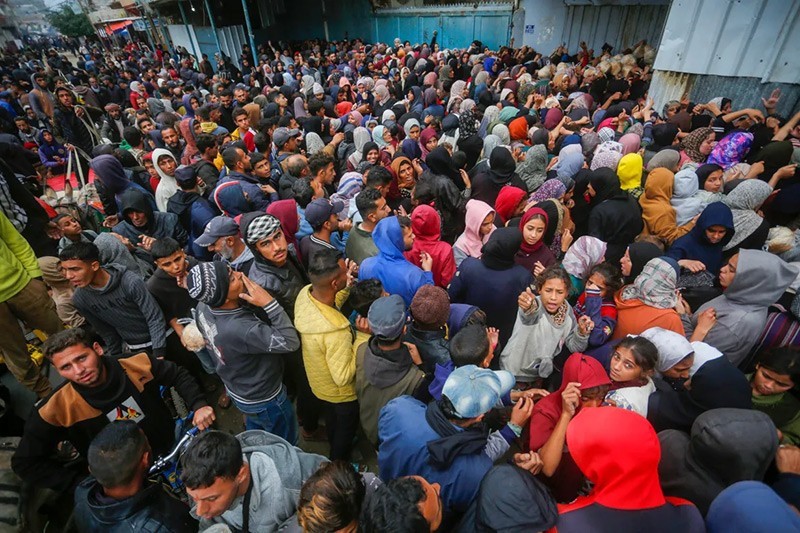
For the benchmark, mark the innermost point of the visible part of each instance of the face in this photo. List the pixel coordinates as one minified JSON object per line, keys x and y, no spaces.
{"x":65,"y":98}
{"x":413,"y":133}
{"x":431,"y":507}
{"x":222,"y":246}
{"x":707,"y":145}
{"x":261,"y":169}
{"x":681,"y":370}
{"x":226,"y":100}
{"x":174,"y":265}
{"x":597,"y":281}
{"x":405,"y":176}
{"x":623,"y":366}
{"x":715,"y":234}
{"x":591,"y":190}
{"x":767,"y":382}
{"x":328,"y":173}
{"x":47,"y":136}
{"x":713,"y":182}
{"x":431,"y":144}
{"x":137,"y":218}
{"x":728,"y":272}
{"x":167,"y":165}
{"x":243,"y":122}
{"x":197,"y":128}
{"x":487,"y":224}
{"x":274,"y":248}
{"x":408,"y":238}
{"x":79,"y":273}
{"x":625,"y":264}
{"x":593,"y":397}
{"x":387,"y":135}
{"x":372,"y":156}
{"x":241,"y":96}
{"x":81,"y":364}
{"x":553,"y":294}
{"x":533,"y":230}
{"x":215,"y":115}
{"x":281,"y":100}
{"x":170,"y":137}
{"x":290,"y":145}
{"x":147,"y":126}
{"x":215,"y":499}
{"x":244,"y":159}
{"x":69,"y":226}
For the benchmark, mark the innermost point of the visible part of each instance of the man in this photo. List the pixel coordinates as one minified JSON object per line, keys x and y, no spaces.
{"x":376,"y":177}
{"x":241,"y":95}
{"x":226,"y":110}
{"x":373,"y":208}
{"x":239,"y":166}
{"x":221,"y":237}
{"x":205,"y":167}
{"x":173,"y":142}
{"x":27,"y":133}
{"x":404,"y":505}
{"x":135,"y":140}
{"x":41,"y":100}
{"x":286,"y":143}
{"x":243,"y":130}
{"x":209,"y":116}
{"x":248,"y":482}
{"x":73,"y":123}
{"x":322,"y":216}
{"x":99,"y":389}
{"x":329,"y":347}
{"x":102,"y":94}
{"x":393,"y":236}
{"x":296,"y":168}
{"x":322,"y":170}
{"x":261,"y":170}
{"x":249,"y":343}
{"x":114,"y":124}
{"x":192,"y":209}
{"x":117,"y":92}
{"x":141,"y":225}
{"x":115,"y":301}
{"x":23,"y":296}
{"x":118,"y":491}
{"x":430,"y":441}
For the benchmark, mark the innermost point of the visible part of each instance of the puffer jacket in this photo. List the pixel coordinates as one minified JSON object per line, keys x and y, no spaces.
{"x":329,"y":348}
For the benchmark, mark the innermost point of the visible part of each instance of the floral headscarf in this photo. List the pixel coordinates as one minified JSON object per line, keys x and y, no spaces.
{"x":467,"y":125}
{"x":550,"y":189}
{"x":608,"y":159}
{"x":731,"y":149}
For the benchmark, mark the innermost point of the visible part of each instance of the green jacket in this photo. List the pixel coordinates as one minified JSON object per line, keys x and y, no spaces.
{"x":784,"y":410}
{"x":18,"y":264}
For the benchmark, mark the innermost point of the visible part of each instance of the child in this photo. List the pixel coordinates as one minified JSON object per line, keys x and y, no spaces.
{"x":533,"y":254}
{"x":430,"y":309}
{"x":597,"y":302}
{"x":776,"y":375}
{"x":585,"y":253}
{"x":545,"y":325}
{"x":631,"y":368}
{"x":52,"y":153}
{"x":72,"y":231}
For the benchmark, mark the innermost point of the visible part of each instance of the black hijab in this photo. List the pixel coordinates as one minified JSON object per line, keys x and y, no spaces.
{"x":499,"y":251}
{"x":502,"y":165}
{"x":605,"y":183}
{"x":704,"y":171}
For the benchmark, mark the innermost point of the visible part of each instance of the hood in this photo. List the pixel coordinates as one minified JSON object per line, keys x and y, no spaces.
{"x":181,"y":202}
{"x":585,"y":370}
{"x":499,"y":251}
{"x":120,"y":511}
{"x":115,"y":273}
{"x":388,"y":238}
{"x":109,"y":170}
{"x":659,"y":186}
{"x":752,"y":506}
{"x":618,"y":451}
{"x":718,"y":383}
{"x":286,"y":212}
{"x":629,"y":170}
{"x":384,"y":368}
{"x":158,"y":153}
{"x":426,"y":223}
{"x":761,"y":279}
{"x":471,"y":241}
{"x":512,"y":499}
{"x":134,"y":199}
{"x":686,"y":184}
{"x":230,"y":199}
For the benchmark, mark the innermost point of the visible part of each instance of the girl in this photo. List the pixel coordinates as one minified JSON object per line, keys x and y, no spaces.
{"x":533,"y":254}
{"x":776,"y":375}
{"x":637,"y":255}
{"x":545,"y":325}
{"x":709,"y":182}
{"x":584,"y":254}
{"x":479,"y":226}
{"x":631,"y":368}
{"x":597,"y":302}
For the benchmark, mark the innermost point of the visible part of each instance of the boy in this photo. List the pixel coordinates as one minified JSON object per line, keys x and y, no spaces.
{"x":72,"y":231}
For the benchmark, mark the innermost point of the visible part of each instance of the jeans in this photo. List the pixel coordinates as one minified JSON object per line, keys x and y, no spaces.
{"x":275,"y":416}
{"x":341,"y":423}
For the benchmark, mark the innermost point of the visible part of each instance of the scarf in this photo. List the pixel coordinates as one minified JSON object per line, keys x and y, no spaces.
{"x":532,"y":248}
{"x":453,"y":441}
{"x":744,"y":200}
{"x":691,"y":144}
{"x":731,"y":150}
{"x":585,"y":253}
{"x":655,"y":286}
{"x":561,"y":314}
{"x":550,"y":189}
{"x":532,"y":169}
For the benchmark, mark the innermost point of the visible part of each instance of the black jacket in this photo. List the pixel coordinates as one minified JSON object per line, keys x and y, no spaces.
{"x":151,"y":509}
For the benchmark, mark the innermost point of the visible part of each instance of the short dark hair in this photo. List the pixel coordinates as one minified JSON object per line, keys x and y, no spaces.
{"x":611,"y":274}
{"x":303,"y":192}
{"x":395,"y":507}
{"x":58,"y":342}
{"x":238,"y":112}
{"x":143,"y":119}
{"x":314,"y":105}
{"x":204,"y":112}
{"x":645,"y":353}
{"x":363,"y":294}
{"x":318,"y":162}
{"x":469,"y":346}
{"x":782,"y":360}
{"x":378,"y":177}
{"x":212,"y":455}
{"x":81,"y":251}
{"x":230,"y":156}
{"x":132,"y":134}
{"x":366,"y":201}
{"x":115,"y":453}
{"x":226,"y":92}
{"x":164,"y":248}
{"x":204,"y":141}
{"x":331,"y":498}
{"x":554,"y":272}
{"x":405,"y":222}
{"x":261,"y":140}
{"x":324,"y":265}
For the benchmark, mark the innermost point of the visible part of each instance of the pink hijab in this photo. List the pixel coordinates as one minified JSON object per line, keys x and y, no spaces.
{"x":471,"y":241}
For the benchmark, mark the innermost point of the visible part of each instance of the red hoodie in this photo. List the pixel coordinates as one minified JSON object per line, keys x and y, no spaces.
{"x":426,"y":224}
{"x":618,"y":451}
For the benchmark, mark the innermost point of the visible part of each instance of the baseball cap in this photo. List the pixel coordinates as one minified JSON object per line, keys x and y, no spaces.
{"x":473,"y":391}
{"x":217,"y":227}
{"x":281,"y":135}
{"x":320,"y":210}
{"x":387,"y":316}
{"x":185,"y":175}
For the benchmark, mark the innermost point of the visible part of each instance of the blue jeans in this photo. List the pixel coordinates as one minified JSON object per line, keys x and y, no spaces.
{"x":275,"y":416}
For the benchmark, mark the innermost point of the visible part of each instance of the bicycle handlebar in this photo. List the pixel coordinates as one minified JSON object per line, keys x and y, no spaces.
{"x":162,"y":462}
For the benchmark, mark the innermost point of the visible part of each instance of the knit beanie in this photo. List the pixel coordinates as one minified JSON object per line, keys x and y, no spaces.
{"x":209,"y":283}
{"x":430,"y":306}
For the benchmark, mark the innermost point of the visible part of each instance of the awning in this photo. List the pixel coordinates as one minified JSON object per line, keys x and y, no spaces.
{"x":118,"y":26}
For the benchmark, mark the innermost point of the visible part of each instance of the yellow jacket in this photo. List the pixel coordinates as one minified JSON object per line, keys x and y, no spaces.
{"x":329,"y":348}
{"x":18,"y":264}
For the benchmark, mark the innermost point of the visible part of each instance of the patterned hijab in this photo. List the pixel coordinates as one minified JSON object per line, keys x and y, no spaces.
{"x":691,"y":144}
{"x":584,"y":253}
{"x":655,"y":286}
{"x":731,"y":150}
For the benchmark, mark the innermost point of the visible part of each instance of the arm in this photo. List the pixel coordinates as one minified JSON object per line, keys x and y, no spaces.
{"x":457,"y":287}
{"x":19,"y":247}
{"x":46,"y":161}
{"x":277,"y":336}
{"x":605,"y":319}
{"x":576,"y":340}
{"x":137,"y":292}
{"x":553,"y":450}
{"x":784,"y":131}
{"x":531,"y":315}
{"x":730,"y":117}
{"x":340,"y":356}
{"x":34,"y":461}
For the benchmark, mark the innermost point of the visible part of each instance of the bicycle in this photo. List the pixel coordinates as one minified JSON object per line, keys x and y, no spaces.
{"x":166,"y":469}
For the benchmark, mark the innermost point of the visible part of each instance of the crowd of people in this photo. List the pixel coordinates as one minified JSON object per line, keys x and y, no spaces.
{"x":546,"y":304}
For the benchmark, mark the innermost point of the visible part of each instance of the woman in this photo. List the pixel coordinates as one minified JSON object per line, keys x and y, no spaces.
{"x":584,"y":384}
{"x":709,"y":183}
{"x":630,"y":170}
{"x":511,"y":203}
{"x":479,"y":227}
{"x":427,"y":141}
{"x":684,"y":199}
{"x":426,"y":227}
{"x":697,"y":145}
{"x":486,"y":185}
{"x":550,"y":189}
{"x":585,"y":253}
{"x":731,"y":149}
{"x":615,"y":217}
{"x":751,"y":229}
{"x":657,"y":211}
{"x":649,"y":301}
{"x":440,"y":162}
{"x":361,"y":136}
{"x":558,"y":235}
{"x":675,"y":356}
{"x":410,"y":145}
{"x":752,"y":280}
{"x":533,"y":170}
{"x":406,"y":175}
{"x":668,"y":159}
{"x":637,"y":255}
{"x":533,"y":254}
{"x":700,"y":250}
{"x":630,"y":143}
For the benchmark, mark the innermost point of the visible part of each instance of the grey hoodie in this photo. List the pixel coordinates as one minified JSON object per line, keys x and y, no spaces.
{"x":123,"y":311}
{"x":726,"y":446}
{"x":761,"y":278}
{"x":277,"y":472}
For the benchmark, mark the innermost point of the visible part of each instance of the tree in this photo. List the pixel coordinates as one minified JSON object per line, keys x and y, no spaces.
{"x":69,"y":23}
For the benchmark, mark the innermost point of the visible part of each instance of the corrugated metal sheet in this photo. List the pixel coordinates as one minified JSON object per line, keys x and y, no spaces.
{"x":744,"y":92}
{"x":619,"y":25}
{"x":750,"y":38}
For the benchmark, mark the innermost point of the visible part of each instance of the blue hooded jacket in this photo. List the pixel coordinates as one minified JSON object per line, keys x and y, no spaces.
{"x":750,"y":506}
{"x":390,"y":266}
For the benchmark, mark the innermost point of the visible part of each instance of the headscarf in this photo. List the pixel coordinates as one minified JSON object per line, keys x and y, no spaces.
{"x":471,"y":241}
{"x":589,"y":142}
{"x":314,"y":143}
{"x":349,"y":186}
{"x":629,"y":171}
{"x":553,"y":117}
{"x":187,"y":130}
{"x":695,"y":244}
{"x":703,"y":172}
{"x":731,"y":150}
{"x":508,"y":199}
{"x":467,"y":125}
{"x":286,"y":212}
{"x":744,"y":200}
{"x":606,"y":159}
{"x":490,"y":142}
{"x":501,"y":247}
{"x":550,"y":189}
{"x":532,"y":169}
{"x":361,"y":136}
{"x":501,"y":130}
{"x":630,"y":143}
{"x":569,"y":163}
{"x":300,"y":109}
{"x":672,"y":347}
{"x":668,"y":159}
{"x":585,"y":253}
{"x":691,"y":144}
{"x":424,"y":137}
{"x":684,"y":199}
{"x":555,"y":224}
{"x":655,"y":286}
{"x":641,"y":253}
